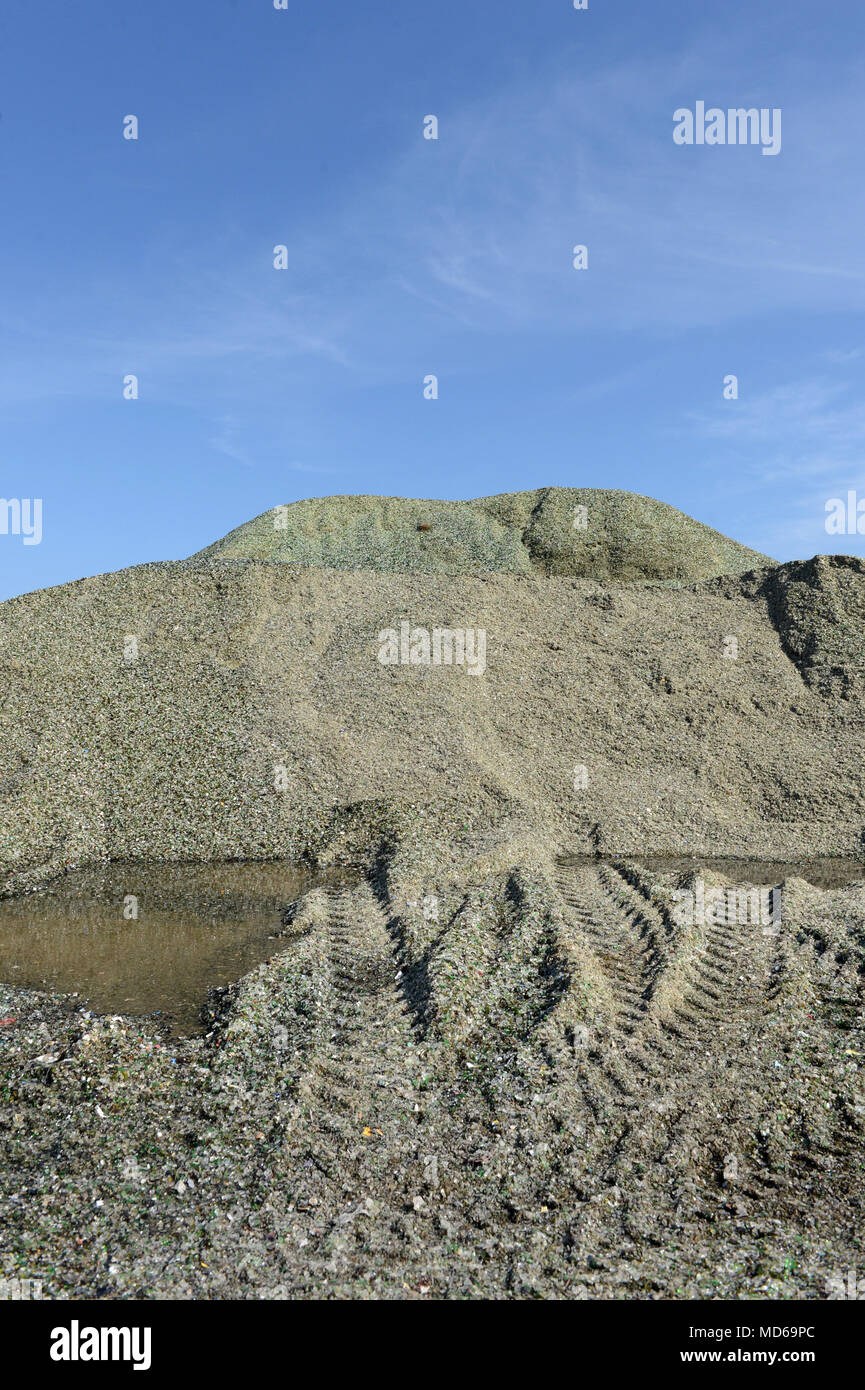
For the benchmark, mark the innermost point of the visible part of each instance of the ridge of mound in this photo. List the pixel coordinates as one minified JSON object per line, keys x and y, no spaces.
{"x":585,"y":533}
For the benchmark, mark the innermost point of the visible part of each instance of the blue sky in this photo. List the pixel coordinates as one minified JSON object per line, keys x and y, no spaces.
{"x":408,"y":256}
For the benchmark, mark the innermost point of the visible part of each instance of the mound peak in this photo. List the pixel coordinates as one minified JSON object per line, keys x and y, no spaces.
{"x":589,"y":533}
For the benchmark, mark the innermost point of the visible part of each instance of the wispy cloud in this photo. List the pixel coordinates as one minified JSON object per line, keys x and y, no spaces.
{"x":474,"y":235}
{"x":225,"y":442}
{"x":562,"y":162}
{"x":784,"y":453}
{"x":818,"y":422}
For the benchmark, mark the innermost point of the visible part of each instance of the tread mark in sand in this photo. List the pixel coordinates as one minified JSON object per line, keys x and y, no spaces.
{"x":617,"y":938}
{"x":360,"y":1076}
{"x":359,"y":1090}
{"x":660,"y":1051}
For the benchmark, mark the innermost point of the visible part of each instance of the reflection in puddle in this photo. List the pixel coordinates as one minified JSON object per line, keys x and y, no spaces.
{"x":150,"y":938}
{"x":827,"y":872}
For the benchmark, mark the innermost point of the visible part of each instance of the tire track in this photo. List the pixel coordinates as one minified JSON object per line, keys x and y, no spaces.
{"x":621,"y":941}
{"x":359,"y":1079}
{"x":684,"y":1007}
{"x":356,"y":1150}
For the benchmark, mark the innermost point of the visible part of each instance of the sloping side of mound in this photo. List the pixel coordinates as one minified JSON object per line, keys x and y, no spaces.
{"x":580,"y":532}
{"x":225,"y":710}
{"x":818,"y":607}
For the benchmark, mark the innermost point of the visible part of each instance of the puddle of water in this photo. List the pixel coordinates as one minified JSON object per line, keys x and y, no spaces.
{"x":825,"y":872}
{"x":150,"y":938}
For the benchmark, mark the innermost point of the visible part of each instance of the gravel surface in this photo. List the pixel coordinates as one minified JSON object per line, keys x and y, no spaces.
{"x":550,"y":1091}
{"x":478,"y":1070}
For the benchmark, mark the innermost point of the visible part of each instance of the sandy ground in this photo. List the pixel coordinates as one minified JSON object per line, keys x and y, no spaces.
{"x":551,"y":1091}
